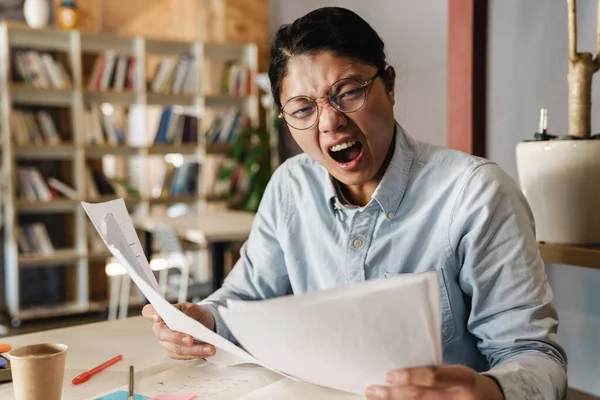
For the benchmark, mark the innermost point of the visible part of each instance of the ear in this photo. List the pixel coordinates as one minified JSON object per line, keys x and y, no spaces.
{"x":390,"y":83}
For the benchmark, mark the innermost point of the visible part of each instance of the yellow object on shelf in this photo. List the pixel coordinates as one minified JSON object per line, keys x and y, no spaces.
{"x":67,"y":14}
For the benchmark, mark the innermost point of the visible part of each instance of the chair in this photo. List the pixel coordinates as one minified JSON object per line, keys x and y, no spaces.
{"x":170,"y":256}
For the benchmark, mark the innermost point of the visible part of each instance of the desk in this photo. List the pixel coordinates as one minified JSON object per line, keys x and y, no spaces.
{"x":213,"y":228}
{"x":91,"y":344}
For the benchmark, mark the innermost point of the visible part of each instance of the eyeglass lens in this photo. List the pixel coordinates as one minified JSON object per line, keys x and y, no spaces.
{"x":346,"y":95}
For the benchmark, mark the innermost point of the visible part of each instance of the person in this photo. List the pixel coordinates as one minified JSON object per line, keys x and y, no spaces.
{"x":367,"y":201}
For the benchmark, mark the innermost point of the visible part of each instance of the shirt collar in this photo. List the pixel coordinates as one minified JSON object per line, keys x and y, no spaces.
{"x":390,"y":191}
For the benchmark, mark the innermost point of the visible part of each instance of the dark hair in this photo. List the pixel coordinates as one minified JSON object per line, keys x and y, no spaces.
{"x":334,"y":29}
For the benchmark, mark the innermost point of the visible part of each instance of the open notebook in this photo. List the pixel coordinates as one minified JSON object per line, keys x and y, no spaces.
{"x":344,"y":338}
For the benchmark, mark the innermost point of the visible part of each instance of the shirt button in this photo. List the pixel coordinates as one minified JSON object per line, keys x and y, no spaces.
{"x":337,"y":206}
{"x":390,"y":214}
{"x":357,"y":243}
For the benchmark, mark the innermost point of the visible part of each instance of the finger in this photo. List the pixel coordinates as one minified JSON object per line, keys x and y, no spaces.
{"x":440,"y":376}
{"x":424,"y":377}
{"x":404,"y":393}
{"x":194,"y":351}
{"x":163,"y":333}
{"x":150,"y":313}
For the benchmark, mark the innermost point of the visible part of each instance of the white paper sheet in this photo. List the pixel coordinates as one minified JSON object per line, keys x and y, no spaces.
{"x":113,"y":223}
{"x":348,"y":337}
{"x":208,"y":381}
{"x":345,"y":338}
{"x":227,"y":352}
{"x":124,"y":237}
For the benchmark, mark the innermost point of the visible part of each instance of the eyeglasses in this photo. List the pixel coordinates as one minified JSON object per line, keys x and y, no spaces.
{"x":346,"y":95}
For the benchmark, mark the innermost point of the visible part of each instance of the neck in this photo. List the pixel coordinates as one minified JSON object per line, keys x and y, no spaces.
{"x":360,"y":195}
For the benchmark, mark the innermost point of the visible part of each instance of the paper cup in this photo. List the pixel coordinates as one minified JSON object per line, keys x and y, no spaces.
{"x":38,"y":371}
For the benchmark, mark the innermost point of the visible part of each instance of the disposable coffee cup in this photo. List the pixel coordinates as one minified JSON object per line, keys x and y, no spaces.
{"x":38,"y":371}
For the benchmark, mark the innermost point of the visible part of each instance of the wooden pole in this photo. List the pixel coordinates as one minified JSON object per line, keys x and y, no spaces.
{"x":582,"y":67}
{"x":597,"y":61}
{"x":466,"y":97}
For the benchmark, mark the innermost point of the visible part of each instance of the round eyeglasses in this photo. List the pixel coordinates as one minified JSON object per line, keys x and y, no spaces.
{"x":346,"y":95}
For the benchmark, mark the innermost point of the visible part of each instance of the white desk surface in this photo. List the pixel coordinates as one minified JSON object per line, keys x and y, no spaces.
{"x":91,"y":344}
{"x":204,"y":227}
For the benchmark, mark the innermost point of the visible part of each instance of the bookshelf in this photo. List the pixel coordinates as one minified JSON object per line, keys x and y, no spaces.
{"x":153,"y":114}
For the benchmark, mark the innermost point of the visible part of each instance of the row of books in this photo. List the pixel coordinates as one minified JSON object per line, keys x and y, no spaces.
{"x":32,"y":186}
{"x":237,"y":79}
{"x":177,"y":180}
{"x":117,"y":72}
{"x":227,"y":126}
{"x":29,"y":127}
{"x":98,"y":184}
{"x":176,"y":128}
{"x":174,"y":76}
{"x":34,"y":238}
{"x":104,"y":128}
{"x":41,"y":70}
{"x":113,"y":71}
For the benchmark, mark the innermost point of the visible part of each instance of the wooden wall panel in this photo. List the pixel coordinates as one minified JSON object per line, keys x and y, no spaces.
{"x":168,"y":19}
{"x":222,"y":21}
{"x":248,"y":21}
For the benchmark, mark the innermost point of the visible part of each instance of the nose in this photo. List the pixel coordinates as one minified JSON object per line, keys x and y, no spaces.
{"x":331,"y":120}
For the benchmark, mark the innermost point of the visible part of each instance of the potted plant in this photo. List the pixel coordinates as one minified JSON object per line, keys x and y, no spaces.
{"x":247,"y":176}
{"x":557,"y":173}
{"x":252,"y":158}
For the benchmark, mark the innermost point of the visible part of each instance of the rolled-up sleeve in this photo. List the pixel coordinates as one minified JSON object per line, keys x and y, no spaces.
{"x":492,"y":237}
{"x":260,"y":273}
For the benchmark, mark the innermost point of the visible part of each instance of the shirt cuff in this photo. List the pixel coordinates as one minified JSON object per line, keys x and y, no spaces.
{"x":220,"y":326}
{"x":529,"y":377}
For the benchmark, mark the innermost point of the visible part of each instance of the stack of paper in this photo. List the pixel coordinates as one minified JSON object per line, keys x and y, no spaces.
{"x":345,"y":338}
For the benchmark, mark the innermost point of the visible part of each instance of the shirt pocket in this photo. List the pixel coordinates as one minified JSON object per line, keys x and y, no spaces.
{"x":446,"y":314}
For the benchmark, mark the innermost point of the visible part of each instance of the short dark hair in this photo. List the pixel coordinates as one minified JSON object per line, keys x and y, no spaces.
{"x":334,"y":29}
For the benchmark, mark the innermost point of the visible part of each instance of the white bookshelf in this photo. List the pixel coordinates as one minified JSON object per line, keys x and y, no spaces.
{"x":136,"y":159}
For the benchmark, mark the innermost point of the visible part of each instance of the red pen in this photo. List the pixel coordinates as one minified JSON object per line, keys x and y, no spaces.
{"x":88,"y":374}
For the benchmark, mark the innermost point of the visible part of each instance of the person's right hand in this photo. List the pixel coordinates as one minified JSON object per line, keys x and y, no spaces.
{"x":180,"y":346}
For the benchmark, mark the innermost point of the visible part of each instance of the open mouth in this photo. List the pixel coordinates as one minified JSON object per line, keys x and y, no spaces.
{"x":346,"y":152}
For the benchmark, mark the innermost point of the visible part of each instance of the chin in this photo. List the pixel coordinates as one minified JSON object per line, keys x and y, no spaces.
{"x":356,"y":178}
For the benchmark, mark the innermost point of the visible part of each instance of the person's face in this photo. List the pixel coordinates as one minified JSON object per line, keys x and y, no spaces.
{"x":329,"y":140}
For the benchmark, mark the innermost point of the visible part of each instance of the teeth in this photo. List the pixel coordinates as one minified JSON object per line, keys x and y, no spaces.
{"x":342,"y":146}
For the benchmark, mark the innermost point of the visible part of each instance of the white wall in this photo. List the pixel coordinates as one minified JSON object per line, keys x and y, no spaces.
{"x":415,"y":35}
{"x":527,"y":68}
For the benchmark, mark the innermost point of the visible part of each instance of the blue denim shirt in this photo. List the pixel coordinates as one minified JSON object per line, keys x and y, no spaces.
{"x":435,"y":208}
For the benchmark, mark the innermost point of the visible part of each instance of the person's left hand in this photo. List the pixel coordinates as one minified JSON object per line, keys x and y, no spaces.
{"x":448,"y":382}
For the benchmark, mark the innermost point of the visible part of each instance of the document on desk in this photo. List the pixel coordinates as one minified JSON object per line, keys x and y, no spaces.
{"x":344,"y":338}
